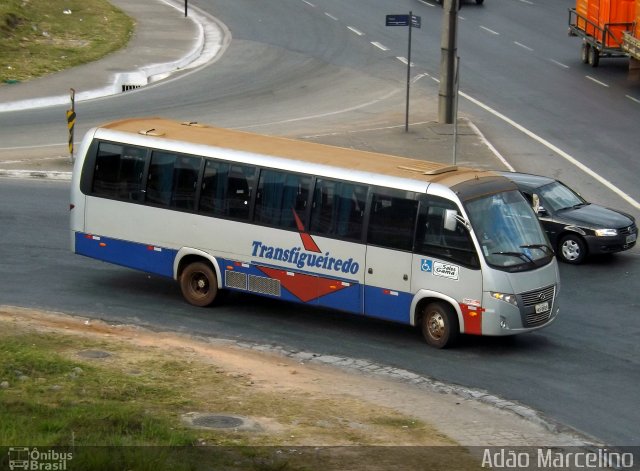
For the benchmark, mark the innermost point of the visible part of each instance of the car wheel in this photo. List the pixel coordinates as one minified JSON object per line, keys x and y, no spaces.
{"x":572,"y":249}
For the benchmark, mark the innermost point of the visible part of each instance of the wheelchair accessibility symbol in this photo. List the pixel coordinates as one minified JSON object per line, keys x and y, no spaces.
{"x":426,"y":265}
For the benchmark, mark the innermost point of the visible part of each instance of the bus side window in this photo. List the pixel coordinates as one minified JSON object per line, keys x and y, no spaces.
{"x":240,"y":184}
{"x":185,"y":182}
{"x":214,"y":188}
{"x":338,"y":209}
{"x":392,"y":219}
{"x":172,"y":180}
{"x":280,"y":195}
{"x":118,"y":171}
{"x":434,"y":239}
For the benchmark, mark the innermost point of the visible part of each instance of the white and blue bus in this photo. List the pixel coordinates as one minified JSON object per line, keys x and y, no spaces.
{"x":451,"y":250}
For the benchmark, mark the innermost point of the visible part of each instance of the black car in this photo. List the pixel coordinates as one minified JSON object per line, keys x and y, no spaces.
{"x":576,"y":228}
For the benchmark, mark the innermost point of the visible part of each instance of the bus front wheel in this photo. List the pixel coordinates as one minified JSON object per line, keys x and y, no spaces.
{"x":199,"y":284}
{"x":439,"y":325}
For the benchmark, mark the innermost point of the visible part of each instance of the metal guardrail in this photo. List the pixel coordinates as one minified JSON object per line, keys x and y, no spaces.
{"x":631,"y":45}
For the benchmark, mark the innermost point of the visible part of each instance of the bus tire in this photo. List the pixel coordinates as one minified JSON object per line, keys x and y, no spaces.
{"x":439,"y":325}
{"x":199,"y":284}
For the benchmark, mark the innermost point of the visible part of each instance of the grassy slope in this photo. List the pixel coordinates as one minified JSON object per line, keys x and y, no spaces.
{"x":38,"y":37}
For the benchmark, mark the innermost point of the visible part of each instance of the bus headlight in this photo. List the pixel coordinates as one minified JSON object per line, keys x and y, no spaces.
{"x":606,"y":232}
{"x":507,"y":298}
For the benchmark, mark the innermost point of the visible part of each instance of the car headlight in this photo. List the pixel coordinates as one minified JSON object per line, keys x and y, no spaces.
{"x":606,"y":232}
{"x":507,"y":298}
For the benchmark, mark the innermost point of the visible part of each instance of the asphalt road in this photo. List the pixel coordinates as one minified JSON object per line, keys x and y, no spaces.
{"x":582,"y":371}
{"x":296,"y":68}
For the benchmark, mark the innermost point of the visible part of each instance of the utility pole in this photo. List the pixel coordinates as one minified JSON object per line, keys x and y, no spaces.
{"x":448,"y":55}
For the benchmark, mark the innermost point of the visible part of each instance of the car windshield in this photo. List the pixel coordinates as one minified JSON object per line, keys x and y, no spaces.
{"x":557,"y":196}
{"x":509,"y":232}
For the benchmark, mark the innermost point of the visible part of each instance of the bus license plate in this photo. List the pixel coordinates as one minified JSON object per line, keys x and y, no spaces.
{"x":542,"y":307}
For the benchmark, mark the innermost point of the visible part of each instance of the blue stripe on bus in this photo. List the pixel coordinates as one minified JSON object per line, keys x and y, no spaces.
{"x":144,"y":257}
{"x":387,"y":304}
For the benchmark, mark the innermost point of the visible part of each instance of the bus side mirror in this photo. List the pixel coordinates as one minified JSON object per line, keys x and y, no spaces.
{"x":450,"y":219}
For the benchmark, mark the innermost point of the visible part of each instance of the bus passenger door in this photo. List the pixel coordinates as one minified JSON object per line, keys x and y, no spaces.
{"x":392,"y":217}
{"x":387,"y":293}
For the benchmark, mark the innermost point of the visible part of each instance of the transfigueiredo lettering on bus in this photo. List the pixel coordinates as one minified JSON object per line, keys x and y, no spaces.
{"x":300,"y":259}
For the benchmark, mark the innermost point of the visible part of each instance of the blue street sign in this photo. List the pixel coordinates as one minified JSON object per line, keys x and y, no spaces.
{"x":397,"y":20}
{"x":403,"y":20}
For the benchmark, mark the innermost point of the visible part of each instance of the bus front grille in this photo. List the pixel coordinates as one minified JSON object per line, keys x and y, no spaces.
{"x":531,"y":299}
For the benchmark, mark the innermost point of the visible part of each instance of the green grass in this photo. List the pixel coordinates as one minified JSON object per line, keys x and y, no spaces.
{"x":125,"y":411}
{"x":38,"y":38}
{"x":60,"y":402}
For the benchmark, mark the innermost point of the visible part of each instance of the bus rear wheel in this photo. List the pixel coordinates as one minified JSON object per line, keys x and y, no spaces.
{"x":199,"y":284}
{"x":439,"y":325}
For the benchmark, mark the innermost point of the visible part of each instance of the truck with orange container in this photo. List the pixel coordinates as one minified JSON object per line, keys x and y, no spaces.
{"x":603,"y":26}
{"x":631,"y":40}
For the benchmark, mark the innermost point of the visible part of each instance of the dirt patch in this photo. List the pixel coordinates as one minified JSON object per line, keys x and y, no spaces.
{"x":392,"y":412}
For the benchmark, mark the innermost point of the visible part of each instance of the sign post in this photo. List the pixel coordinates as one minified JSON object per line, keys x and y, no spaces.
{"x":412,"y":21}
{"x":71,"y":121}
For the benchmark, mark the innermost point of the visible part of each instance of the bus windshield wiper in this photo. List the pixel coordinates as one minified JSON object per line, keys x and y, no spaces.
{"x":521,"y":255}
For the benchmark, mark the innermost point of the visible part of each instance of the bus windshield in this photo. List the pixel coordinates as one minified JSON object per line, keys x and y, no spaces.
{"x":509,"y":232}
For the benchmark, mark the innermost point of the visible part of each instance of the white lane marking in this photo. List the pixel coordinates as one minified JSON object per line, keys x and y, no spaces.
{"x":633,"y":99}
{"x":565,"y":66}
{"x":331,"y":16}
{"x":597,"y":81}
{"x":555,"y":149}
{"x":490,"y":30}
{"x":330,"y":113}
{"x":358,"y":32}
{"x":309,"y":3}
{"x":491,"y":146}
{"x":379,"y":46}
{"x":527,"y":2}
{"x":523,"y":46}
{"x":404,"y":60}
{"x":427,"y":3}
{"x":40,"y":146}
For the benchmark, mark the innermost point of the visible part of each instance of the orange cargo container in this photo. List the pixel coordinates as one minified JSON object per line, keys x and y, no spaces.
{"x":606,"y":20}
{"x":637,"y":20}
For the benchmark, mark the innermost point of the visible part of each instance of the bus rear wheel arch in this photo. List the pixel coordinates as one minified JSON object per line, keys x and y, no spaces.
{"x":199,"y":284}
{"x":439,"y":324}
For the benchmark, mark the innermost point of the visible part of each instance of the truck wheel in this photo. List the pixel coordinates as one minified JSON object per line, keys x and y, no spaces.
{"x":199,"y":284}
{"x":584,"y":53}
{"x":572,"y":249}
{"x":439,"y":325}
{"x":594,"y":56}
